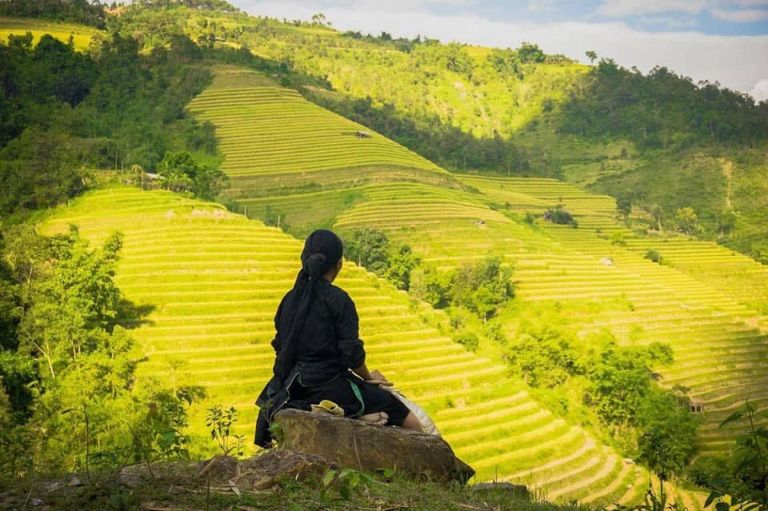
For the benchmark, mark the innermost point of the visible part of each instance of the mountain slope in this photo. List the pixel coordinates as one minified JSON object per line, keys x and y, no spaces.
{"x":638,"y":301}
{"x":213,"y":280}
{"x":270,"y":135}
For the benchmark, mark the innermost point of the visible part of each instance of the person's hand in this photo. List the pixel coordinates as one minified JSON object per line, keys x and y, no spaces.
{"x":379,"y":379}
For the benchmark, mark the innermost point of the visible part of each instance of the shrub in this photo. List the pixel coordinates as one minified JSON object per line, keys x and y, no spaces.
{"x":653,"y":255}
{"x":559,"y":215}
{"x":468,"y":339}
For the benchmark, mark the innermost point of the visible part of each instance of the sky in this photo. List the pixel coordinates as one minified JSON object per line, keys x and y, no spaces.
{"x":714,"y":40}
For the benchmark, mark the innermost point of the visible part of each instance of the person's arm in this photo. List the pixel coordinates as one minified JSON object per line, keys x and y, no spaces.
{"x":348,"y":336}
{"x":277,"y":342}
{"x":374,"y":376}
{"x":363,"y":372}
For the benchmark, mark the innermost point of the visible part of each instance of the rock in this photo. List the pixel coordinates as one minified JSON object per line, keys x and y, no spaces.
{"x":277,"y":465}
{"x":133,"y":476}
{"x":218,"y":468}
{"x":350,"y":443}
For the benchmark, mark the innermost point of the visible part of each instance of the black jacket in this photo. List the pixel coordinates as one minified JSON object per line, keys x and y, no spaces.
{"x":327,"y":347}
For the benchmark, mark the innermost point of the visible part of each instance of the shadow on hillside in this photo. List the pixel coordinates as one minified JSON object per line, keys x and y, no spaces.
{"x":131,"y":315}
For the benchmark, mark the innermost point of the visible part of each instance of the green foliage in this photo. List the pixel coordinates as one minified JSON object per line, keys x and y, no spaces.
{"x":530,"y":53}
{"x":559,"y":215}
{"x":743,"y":475}
{"x":67,"y":111}
{"x":661,"y":109}
{"x":667,"y":440}
{"x":183,"y":172}
{"x":545,"y":353}
{"x":158,"y":432}
{"x":400,"y":266}
{"x":68,"y":392}
{"x":428,"y":285}
{"x":653,"y":255}
{"x":346,"y":481}
{"x":621,"y":381}
{"x":686,"y":220}
{"x":210,"y":5}
{"x":220,"y":422}
{"x":79,"y":11}
{"x":468,"y":339}
{"x":482,"y":287}
{"x":369,"y":248}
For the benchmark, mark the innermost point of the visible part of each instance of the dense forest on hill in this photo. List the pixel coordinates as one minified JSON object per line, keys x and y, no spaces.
{"x":65,"y":112}
{"x":79,"y":11}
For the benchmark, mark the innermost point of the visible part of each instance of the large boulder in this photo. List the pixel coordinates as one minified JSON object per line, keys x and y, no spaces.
{"x":350,"y":443}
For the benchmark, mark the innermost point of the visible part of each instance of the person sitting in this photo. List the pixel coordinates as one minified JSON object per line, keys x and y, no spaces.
{"x":318,"y":352}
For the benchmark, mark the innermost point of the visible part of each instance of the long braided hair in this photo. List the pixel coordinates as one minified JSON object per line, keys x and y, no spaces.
{"x":322,"y":251}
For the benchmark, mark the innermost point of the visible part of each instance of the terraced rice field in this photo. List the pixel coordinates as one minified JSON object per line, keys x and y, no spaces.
{"x":81,"y":34}
{"x":213,"y":280}
{"x":266,"y":129}
{"x":701,"y":309}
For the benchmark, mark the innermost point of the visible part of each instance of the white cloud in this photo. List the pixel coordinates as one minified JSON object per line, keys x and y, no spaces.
{"x":740,"y":16}
{"x":750,"y":3}
{"x":760,"y":90}
{"x":738,"y":11}
{"x":621,"y":8}
{"x":737,"y":62}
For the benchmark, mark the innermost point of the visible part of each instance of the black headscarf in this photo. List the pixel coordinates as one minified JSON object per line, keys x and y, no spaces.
{"x":322,"y":251}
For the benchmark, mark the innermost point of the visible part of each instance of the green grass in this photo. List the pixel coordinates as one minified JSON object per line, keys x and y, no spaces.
{"x":178,"y":488}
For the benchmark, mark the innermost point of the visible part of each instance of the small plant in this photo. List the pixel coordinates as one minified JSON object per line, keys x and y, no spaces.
{"x":561,"y":216}
{"x":468,"y":339}
{"x":617,"y":239}
{"x":345,"y":480}
{"x":745,"y":481}
{"x":653,"y":255}
{"x":220,"y":422}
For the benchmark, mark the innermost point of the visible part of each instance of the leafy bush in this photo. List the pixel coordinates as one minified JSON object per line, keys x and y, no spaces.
{"x":468,"y":339}
{"x":559,"y":215}
{"x":653,"y":255}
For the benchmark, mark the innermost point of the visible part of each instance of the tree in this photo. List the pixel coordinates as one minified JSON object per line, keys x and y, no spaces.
{"x":668,"y":434}
{"x":401,"y":264}
{"x":687,"y":220}
{"x":624,"y":206}
{"x":370,"y":248}
{"x":592,"y":56}
{"x":482,"y":287}
{"x":530,"y":53}
{"x":183,"y":172}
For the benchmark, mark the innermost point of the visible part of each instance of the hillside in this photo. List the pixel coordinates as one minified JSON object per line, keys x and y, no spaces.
{"x":302,"y":127}
{"x":81,"y":35}
{"x":686,"y":302}
{"x":524,"y":112}
{"x":298,"y":143}
{"x":213,"y":279}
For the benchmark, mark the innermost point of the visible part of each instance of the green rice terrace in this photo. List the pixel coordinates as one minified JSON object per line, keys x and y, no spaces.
{"x":214,"y":280}
{"x":600,"y":262}
{"x":296,"y":140}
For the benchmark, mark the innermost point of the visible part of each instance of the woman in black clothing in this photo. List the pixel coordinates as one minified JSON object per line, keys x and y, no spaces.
{"x":317,"y":344}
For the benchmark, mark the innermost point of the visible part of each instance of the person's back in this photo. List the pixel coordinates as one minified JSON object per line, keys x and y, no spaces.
{"x":328,"y":344}
{"x":319,"y":356}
